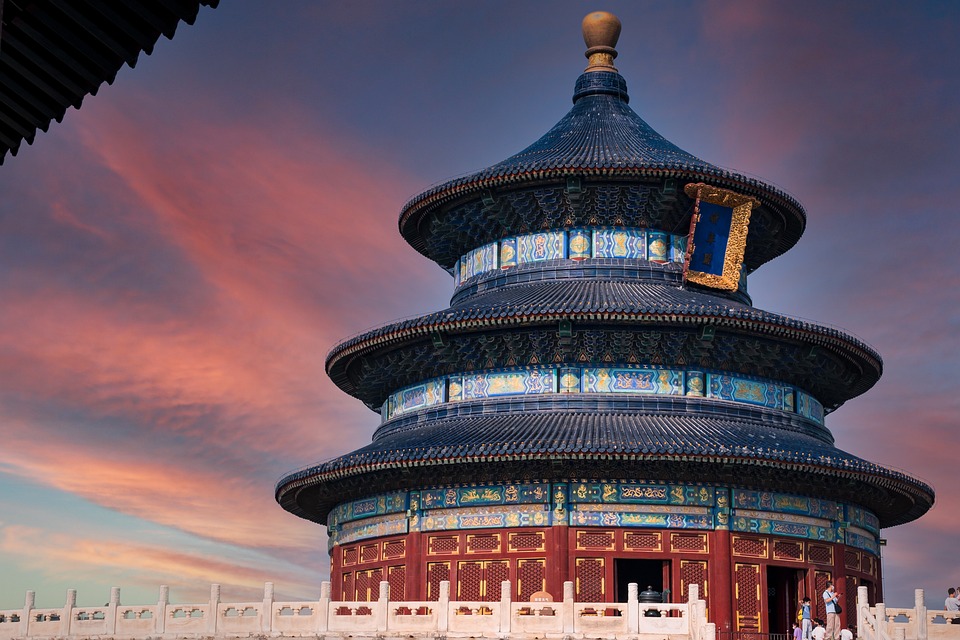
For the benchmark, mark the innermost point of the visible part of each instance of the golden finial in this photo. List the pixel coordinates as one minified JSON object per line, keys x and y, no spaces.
{"x":601,"y":30}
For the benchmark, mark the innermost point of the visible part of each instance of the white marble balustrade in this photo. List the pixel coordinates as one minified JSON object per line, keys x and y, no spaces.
{"x":380,"y":618}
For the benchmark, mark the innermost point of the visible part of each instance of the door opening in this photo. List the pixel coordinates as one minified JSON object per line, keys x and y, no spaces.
{"x":653,"y":574}
{"x":783,"y":596}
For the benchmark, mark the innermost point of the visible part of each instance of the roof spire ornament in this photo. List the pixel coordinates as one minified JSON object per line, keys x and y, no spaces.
{"x":601,"y":30}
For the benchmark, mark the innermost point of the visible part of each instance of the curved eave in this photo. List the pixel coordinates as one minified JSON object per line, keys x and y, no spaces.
{"x":54,"y":54}
{"x":287,"y":491}
{"x":337,"y":362}
{"x":421,"y":207}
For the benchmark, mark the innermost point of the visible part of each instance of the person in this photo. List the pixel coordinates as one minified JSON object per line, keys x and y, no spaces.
{"x":951,"y":603}
{"x":847,"y":634}
{"x":797,"y":632}
{"x":806,"y":619}
{"x":830,"y":598}
{"x":818,"y":633}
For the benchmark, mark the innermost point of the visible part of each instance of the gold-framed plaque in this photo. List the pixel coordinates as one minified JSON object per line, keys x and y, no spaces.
{"x":718,"y":236}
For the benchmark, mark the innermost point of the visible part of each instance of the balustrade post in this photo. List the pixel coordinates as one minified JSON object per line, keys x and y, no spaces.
{"x":568,"y":612}
{"x":443,"y":603}
{"x":693,"y":611}
{"x":921,"y":612}
{"x":863,"y":608}
{"x":323,"y":614}
{"x":67,"y":613}
{"x":111,"y":616}
{"x":267,"y":612}
{"x":160,"y":616}
{"x":213,"y":609}
{"x":506,"y":597}
{"x":28,"y":603}
{"x":882,"y":631}
{"x":633,"y":608}
{"x":710,"y":631}
{"x":383,"y":606}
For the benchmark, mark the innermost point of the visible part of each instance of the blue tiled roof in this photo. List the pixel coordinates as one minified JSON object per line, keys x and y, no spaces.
{"x":695,"y":440}
{"x":601,"y":135}
{"x":609,"y":301}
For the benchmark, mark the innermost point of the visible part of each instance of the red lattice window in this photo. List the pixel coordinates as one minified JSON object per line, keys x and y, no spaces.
{"x":787,"y":550}
{"x":595,"y":540}
{"x":496,"y":571}
{"x":376,"y":576}
{"x":748,"y":597}
{"x":437,"y":572}
{"x":394,"y":548}
{"x":851,"y":559}
{"x":590,"y":580}
{"x":470,"y":581}
{"x":397,"y":577}
{"x":820,"y":579}
{"x":693,"y":572}
{"x":346,"y":586}
{"x":483,"y":543}
{"x":754,"y":547}
{"x":438,"y":545}
{"x":350,"y":555}
{"x":695,"y":542}
{"x":531,"y":577}
{"x":362,"y":586}
{"x":527,"y":541}
{"x":820,"y":554}
{"x":369,"y":553}
{"x":642,"y":540}
{"x":851,"y":584}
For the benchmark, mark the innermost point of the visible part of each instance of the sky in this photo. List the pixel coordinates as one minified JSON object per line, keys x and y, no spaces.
{"x":178,"y":256}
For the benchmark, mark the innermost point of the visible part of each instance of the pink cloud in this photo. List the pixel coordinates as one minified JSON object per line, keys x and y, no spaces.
{"x":188,"y":572}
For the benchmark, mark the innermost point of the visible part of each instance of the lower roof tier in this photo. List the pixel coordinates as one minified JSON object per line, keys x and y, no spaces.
{"x":549,"y":443}
{"x":604,"y":321}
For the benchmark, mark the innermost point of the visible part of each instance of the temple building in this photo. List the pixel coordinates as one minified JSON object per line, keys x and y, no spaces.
{"x":601,"y":402}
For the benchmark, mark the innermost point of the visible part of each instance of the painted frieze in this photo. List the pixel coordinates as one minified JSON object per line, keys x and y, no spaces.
{"x":620,"y":243}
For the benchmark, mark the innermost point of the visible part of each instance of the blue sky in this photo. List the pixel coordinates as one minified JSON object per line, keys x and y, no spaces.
{"x":178,"y":256}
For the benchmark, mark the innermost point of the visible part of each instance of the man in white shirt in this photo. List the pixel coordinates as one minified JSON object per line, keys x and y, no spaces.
{"x":847,"y":634}
{"x":818,"y":633}
{"x":952,"y":603}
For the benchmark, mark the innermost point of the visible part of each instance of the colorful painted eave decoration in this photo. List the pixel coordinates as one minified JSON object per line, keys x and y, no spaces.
{"x":718,"y":236}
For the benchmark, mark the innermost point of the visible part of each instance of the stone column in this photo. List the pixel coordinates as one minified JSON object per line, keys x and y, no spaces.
{"x":213,"y":612}
{"x":28,"y":603}
{"x":112,"y":610}
{"x":323,"y":612}
{"x":506,"y":619}
{"x":568,"y":613}
{"x":160,"y":616}
{"x":443,"y":607}
{"x":882,"y":620}
{"x":67,"y":615}
{"x":633,"y":608}
{"x":383,"y":606}
{"x":267,"y":612}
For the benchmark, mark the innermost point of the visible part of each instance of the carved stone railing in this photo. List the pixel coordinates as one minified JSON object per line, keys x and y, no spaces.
{"x":881,"y":622}
{"x":332,"y":619}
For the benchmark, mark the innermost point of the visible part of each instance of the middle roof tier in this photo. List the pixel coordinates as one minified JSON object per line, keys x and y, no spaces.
{"x":604,"y":321}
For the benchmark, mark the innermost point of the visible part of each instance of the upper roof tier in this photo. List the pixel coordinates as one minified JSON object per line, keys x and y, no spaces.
{"x":600,"y":144}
